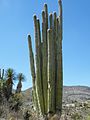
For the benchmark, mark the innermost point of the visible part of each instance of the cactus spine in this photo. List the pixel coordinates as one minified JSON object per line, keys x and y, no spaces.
{"x":47,"y":71}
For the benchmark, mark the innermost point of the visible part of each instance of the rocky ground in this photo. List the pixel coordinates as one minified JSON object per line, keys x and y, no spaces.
{"x":76,"y":105}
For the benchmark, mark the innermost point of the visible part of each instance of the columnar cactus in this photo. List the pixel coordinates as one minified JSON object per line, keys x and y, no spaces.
{"x":46,"y":69}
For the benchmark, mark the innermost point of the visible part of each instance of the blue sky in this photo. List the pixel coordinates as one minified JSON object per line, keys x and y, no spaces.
{"x":16,"y":21}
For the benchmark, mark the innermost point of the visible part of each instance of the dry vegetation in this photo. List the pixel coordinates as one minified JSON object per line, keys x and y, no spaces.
{"x":74,"y":108}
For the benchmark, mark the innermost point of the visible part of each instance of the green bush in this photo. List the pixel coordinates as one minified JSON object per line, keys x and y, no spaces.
{"x":15,"y":102}
{"x":88,"y":117}
{"x":76,"y":116}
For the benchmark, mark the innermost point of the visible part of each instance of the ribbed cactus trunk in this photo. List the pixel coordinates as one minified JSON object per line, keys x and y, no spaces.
{"x":51,"y":75}
{"x":59,"y":80}
{"x":44,"y":54}
{"x":47,"y":71}
{"x":32,"y":65}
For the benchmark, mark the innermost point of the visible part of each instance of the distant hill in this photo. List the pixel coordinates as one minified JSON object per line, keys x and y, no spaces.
{"x":70,"y":93}
{"x":78,"y":93}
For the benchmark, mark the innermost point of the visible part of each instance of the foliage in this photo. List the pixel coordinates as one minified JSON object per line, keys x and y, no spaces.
{"x":9,"y":101}
{"x":10,"y":74}
{"x":6,"y":84}
{"x":88,"y":117}
{"x":21,"y":78}
{"x":76,"y":116}
{"x":27,"y":115}
{"x":15,"y":101}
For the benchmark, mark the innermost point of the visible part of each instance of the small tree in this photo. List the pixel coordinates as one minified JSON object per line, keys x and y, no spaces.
{"x":10,"y":76}
{"x":21,"y":78}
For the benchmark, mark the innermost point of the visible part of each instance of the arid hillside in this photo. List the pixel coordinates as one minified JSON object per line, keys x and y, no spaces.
{"x":76,"y":105}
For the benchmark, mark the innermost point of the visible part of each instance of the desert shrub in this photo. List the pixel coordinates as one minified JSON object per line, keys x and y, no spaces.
{"x":1,"y":111}
{"x":2,"y":89}
{"x":15,"y":102}
{"x":86,"y":105}
{"x":27,"y":115}
{"x":88,"y":117}
{"x":76,"y":116}
{"x":0,"y":97}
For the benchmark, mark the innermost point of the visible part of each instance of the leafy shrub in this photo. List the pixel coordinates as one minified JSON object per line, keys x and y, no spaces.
{"x":76,"y":116}
{"x":88,"y":118}
{"x":27,"y":115}
{"x":1,"y":111}
{"x":15,"y":102}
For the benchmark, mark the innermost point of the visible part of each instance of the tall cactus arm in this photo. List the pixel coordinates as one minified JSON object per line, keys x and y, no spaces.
{"x":51,"y":104}
{"x":39,"y":87}
{"x":39,"y":48}
{"x":31,"y":59}
{"x":60,"y":18}
{"x":40,"y":64}
{"x":35,"y":29}
{"x":55,"y":51}
{"x":51,"y":21}
{"x":59,"y":62}
{"x":61,"y":38}
{"x":52,"y":27}
{"x":38,"y":32}
{"x":59,"y":83}
{"x":46,"y":22}
{"x":46,"y":15}
{"x":44,"y":53}
{"x":32,"y":72}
